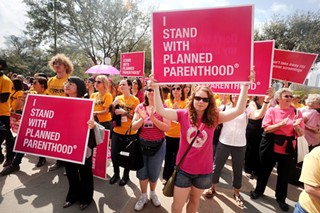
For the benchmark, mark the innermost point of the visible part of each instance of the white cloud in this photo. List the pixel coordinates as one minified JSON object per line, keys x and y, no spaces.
{"x":12,"y":18}
{"x":279,"y":8}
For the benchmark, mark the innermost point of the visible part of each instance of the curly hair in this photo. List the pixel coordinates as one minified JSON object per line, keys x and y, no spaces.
{"x":211,"y":114}
{"x":62,"y":58}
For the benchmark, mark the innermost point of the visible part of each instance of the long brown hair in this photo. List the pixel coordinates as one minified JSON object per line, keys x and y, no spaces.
{"x":210,"y":117}
{"x":182,"y":98}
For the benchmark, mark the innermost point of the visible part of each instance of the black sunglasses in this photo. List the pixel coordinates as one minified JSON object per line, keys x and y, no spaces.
{"x":198,"y":98}
{"x":150,"y":90}
{"x":98,"y":82}
{"x":288,"y":96}
{"x":176,"y":88}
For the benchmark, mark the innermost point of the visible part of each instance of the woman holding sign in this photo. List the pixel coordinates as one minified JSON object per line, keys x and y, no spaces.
{"x":194,"y":175}
{"x":80,"y":177}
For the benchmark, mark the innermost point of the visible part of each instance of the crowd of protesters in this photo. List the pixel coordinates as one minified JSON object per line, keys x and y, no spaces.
{"x":168,"y":116}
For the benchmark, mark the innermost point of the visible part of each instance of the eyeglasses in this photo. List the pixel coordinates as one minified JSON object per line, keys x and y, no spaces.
{"x":57,"y":63}
{"x":198,"y":98}
{"x":287,"y":96}
{"x":176,"y":88}
{"x":148,"y":125}
{"x":98,"y":82}
{"x":150,"y":90}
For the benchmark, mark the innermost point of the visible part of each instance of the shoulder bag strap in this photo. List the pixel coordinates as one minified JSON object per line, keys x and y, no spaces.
{"x":186,"y":152}
{"x":128,"y":130}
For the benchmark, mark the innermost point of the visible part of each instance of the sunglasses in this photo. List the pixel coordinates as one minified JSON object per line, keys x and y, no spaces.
{"x":150,"y":90}
{"x":287,"y":96}
{"x":98,"y":82}
{"x":176,"y":88}
{"x":148,"y":125}
{"x":57,"y":63}
{"x":198,"y":98}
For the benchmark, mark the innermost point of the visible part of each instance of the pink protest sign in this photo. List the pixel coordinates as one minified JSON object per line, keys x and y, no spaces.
{"x":99,"y":157}
{"x":263,"y":59}
{"x":55,"y":127}
{"x":208,"y":45}
{"x":132,"y":64}
{"x":292,"y":66}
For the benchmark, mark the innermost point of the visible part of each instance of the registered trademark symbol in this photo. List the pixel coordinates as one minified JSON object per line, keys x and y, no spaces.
{"x":236,"y":65}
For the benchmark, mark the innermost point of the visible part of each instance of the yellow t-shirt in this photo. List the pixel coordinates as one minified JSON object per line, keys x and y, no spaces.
{"x":297,"y":105}
{"x":310,"y":175}
{"x":55,"y":85}
{"x":5,"y":87}
{"x":14,"y":98}
{"x":100,"y":103}
{"x":174,"y":131}
{"x":129,"y":105}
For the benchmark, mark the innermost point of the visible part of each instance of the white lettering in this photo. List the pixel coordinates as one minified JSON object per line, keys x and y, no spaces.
{"x":42,"y":113}
{"x":176,"y":46}
{"x":43,"y":134}
{"x":180,"y":33}
{"x":215,"y":70}
{"x":188,"y":58}
{"x":48,"y":146}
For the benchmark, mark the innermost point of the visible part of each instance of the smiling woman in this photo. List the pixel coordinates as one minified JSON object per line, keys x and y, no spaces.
{"x":192,"y":178}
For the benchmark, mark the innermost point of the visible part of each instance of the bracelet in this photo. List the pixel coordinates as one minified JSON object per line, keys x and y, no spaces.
{"x":266,"y":102}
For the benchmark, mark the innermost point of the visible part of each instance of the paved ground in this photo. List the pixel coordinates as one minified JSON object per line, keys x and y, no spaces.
{"x":36,"y":190}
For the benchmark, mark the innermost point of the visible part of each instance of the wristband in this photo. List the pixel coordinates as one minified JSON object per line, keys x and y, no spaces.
{"x":266,"y":102}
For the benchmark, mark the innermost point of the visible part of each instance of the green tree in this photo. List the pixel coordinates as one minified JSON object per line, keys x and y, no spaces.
{"x":22,"y":57}
{"x":100,"y":28}
{"x":299,"y":32}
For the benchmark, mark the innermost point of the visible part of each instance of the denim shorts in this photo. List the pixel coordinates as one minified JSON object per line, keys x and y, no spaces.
{"x":185,"y":180}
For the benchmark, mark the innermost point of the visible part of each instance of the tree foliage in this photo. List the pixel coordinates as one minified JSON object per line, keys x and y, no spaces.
{"x":299,"y":32}
{"x":100,"y":28}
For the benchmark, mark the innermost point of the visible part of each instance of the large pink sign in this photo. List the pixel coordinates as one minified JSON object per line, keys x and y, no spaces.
{"x":208,"y":45}
{"x":99,"y":157}
{"x":55,"y":127}
{"x":263,"y":59}
{"x":292,"y":66}
{"x":132,"y":64}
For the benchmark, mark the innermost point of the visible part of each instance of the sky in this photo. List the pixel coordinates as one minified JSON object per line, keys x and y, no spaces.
{"x":13,"y":12}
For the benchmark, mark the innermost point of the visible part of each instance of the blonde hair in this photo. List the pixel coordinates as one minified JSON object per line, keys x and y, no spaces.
{"x":105,"y":81}
{"x":62,"y":58}
{"x":312,"y":99}
{"x":278,"y":94}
